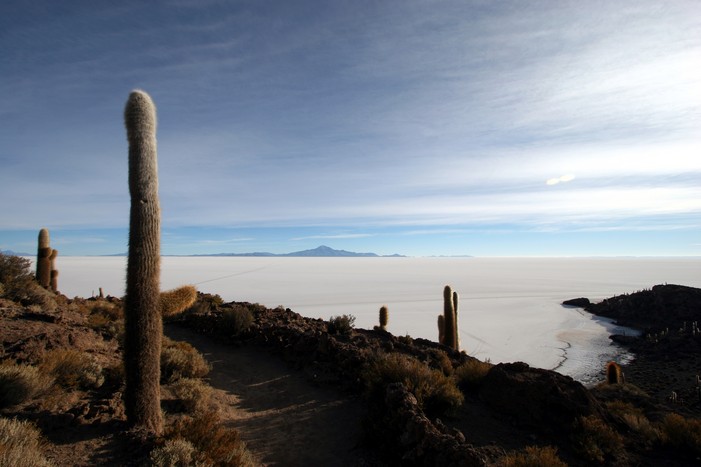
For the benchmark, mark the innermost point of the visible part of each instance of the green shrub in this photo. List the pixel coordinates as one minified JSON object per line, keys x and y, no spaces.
{"x":20,"y":444}
{"x":341,"y":324}
{"x":19,"y":284}
{"x":435,"y":392}
{"x":181,"y":360}
{"x":236,"y":320}
{"x":15,"y":276}
{"x":193,"y":394}
{"x":19,"y":383}
{"x":72,"y":368}
{"x":215,"y":443}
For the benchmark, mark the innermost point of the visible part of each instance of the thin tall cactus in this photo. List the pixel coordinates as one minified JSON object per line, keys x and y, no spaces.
{"x":448,"y":317}
{"x":455,"y":320}
{"x":43,"y":274}
{"x":54,"y":271}
{"x":142,"y":308}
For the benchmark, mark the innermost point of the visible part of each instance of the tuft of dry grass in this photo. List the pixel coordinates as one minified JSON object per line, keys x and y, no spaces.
{"x":19,"y":383}
{"x":215,"y":443}
{"x":635,"y":419}
{"x":533,"y":456}
{"x":470,"y":374}
{"x":435,"y":392}
{"x":72,"y":369}
{"x":235,"y":321}
{"x":194,"y":395}
{"x":174,"y":302}
{"x":181,"y":360}
{"x":595,"y":440}
{"x":20,"y":444}
{"x":681,"y":433}
{"x":175,"y":453}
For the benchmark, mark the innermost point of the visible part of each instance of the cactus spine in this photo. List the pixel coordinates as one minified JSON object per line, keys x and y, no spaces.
{"x":142,"y":308}
{"x":44,"y":251}
{"x":384,"y":317}
{"x":54,"y":271}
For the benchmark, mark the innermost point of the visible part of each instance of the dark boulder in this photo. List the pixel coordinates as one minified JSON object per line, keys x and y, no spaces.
{"x":537,"y":398}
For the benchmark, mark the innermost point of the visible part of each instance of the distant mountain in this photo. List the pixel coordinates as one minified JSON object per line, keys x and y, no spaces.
{"x":322,"y":251}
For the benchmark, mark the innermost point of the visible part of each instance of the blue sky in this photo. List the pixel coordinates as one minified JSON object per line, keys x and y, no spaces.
{"x":491,"y":128}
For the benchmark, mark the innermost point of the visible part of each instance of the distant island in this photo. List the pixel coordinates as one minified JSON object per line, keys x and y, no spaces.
{"x":322,"y":251}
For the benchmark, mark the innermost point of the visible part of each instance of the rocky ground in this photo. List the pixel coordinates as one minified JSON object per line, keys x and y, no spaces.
{"x":286,"y":377}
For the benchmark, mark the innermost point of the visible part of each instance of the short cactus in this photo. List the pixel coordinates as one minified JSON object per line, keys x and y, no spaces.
{"x":613,"y":373}
{"x":441,"y":329}
{"x":143,"y":332}
{"x":384,"y":317}
{"x":43,"y":274}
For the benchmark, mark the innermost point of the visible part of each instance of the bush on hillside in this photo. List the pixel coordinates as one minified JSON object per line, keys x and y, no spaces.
{"x":19,"y":383}
{"x":20,"y":444}
{"x":181,"y":360}
{"x":435,"y":392}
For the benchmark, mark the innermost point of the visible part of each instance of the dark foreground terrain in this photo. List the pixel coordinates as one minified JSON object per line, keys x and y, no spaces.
{"x":297,"y":390}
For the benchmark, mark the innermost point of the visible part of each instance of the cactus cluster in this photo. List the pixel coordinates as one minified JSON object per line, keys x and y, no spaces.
{"x":142,"y":307}
{"x":46,"y":274}
{"x":448,"y":333}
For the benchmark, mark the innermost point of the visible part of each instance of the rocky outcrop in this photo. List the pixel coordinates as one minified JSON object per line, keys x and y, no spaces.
{"x":581,"y":302}
{"x":417,"y":441}
{"x":538,"y":399}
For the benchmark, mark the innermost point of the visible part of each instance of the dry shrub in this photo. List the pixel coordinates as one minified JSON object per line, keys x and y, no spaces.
{"x":20,"y":444}
{"x":194,"y":394}
{"x":181,"y":360}
{"x":681,"y":433}
{"x":174,"y":302}
{"x":533,"y":456}
{"x":19,"y":383}
{"x":594,"y":440}
{"x":72,"y":369}
{"x":343,"y":324}
{"x":470,"y":374}
{"x":435,"y":392}
{"x":215,"y":443}
{"x":107,"y":319}
{"x":235,"y":321}
{"x":175,"y":453}
{"x":634,"y":418}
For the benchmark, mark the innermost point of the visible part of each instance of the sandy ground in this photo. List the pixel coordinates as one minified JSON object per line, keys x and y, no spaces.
{"x":284,"y":418}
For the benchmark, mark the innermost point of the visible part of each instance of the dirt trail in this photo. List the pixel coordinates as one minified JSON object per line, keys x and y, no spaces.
{"x":284,"y":419}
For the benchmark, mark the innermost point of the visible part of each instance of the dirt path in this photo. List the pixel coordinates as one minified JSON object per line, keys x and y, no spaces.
{"x":284,"y":419}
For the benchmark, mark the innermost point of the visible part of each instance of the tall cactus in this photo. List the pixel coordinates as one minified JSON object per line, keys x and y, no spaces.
{"x":456,"y":327}
{"x":142,"y":312}
{"x":441,"y":329}
{"x":43,"y":273}
{"x":448,"y":317}
{"x":54,"y":271}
